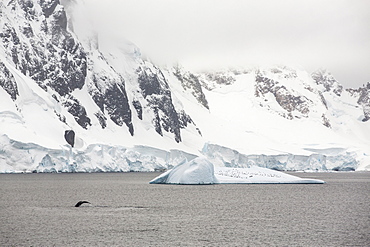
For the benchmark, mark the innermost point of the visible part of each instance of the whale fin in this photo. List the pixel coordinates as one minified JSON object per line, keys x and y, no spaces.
{"x":80,"y":203}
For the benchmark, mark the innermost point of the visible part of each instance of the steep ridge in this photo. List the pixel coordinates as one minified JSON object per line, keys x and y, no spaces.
{"x":283,"y":112}
{"x":57,"y":74}
{"x":37,"y":42}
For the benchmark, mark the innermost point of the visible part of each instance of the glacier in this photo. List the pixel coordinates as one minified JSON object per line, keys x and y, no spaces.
{"x":17,"y":157}
{"x":321,"y":160}
{"x":128,"y":114}
{"x":30,"y":157}
{"x":201,"y":171}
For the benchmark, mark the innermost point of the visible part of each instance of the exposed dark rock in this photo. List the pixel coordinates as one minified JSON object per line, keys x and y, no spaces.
{"x":44,"y":26}
{"x":63,"y":71}
{"x":363,"y":94}
{"x":364,"y":100}
{"x":69,"y":136}
{"x":285,"y":72}
{"x":323,"y":100}
{"x":58,"y":63}
{"x":58,"y":21}
{"x":7,"y":82}
{"x":184,"y":119}
{"x":264,"y":85}
{"x":77,"y":110}
{"x":290,"y":102}
{"x":152,"y":83}
{"x":26,"y":5}
{"x":326,"y":79}
{"x":138,"y":108}
{"x":286,"y":99}
{"x":157,"y":122}
{"x":61,"y":117}
{"x":155,"y":90}
{"x":166,"y":117}
{"x":102,"y":119}
{"x":325,"y":121}
{"x":111,"y":96}
{"x":27,"y":31}
{"x":220,"y":78}
{"x":191,"y":82}
{"x":48,"y":6}
{"x":118,"y":107}
{"x":9,"y":36}
{"x":53,"y":58}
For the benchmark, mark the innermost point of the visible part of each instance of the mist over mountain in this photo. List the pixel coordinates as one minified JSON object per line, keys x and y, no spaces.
{"x":129,"y":114}
{"x":219,"y":34}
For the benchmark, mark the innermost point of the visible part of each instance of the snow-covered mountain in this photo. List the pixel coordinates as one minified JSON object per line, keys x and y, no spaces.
{"x":58,"y":74}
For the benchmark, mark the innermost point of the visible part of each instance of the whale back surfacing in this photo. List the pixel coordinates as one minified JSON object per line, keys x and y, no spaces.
{"x":80,"y":203}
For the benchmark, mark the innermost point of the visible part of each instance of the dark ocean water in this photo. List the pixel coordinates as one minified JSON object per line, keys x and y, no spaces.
{"x":38,"y":210}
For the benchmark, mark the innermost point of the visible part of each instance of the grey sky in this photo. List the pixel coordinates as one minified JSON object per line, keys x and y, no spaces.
{"x":332,"y":34}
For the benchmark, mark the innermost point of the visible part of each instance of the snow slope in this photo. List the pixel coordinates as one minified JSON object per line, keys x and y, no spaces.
{"x":128,"y":114}
{"x":241,"y":123}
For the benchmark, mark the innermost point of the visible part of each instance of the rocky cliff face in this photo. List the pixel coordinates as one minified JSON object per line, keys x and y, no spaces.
{"x":330,"y":84}
{"x":108,"y":91}
{"x":155,"y":90}
{"x":363,"y":98}
{"x":7,"y":82}
{"x":191,"y":82}
{"x":297,"y":95}
{"x":288,"y":100}
{"x":36,"y":40}
{"x":327,"y":80}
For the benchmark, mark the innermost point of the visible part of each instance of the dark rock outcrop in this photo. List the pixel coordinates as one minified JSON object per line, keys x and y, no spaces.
{"x":38,"y":43}
{"x":325,"y":121}
{"x":138,"y":108}
{"x":191,"y":82}
{"x":363,"y":98}
{"x":107,"y":89}
{"x":7,"y":82}
{"x":327,"y":80}
{"x":286,"y":99}
{"x":69,"y":136}
{"x":220,"y":78}
{"x":52,"y":58}
{"x":48,"y":6}
{"x":155,"y":90}
{"x":74,"y":107}
{"x":111,"y":97}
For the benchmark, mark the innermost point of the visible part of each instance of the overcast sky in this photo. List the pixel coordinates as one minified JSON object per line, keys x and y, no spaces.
{"x":332,"y":34}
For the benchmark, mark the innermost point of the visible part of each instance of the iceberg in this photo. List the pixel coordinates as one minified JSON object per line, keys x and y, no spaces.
{"x":201,"y":171}
{"x":258,"y":175}
{"x":196,"y":171}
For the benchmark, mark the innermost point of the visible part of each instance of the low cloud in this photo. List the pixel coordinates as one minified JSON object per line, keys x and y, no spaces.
{"x":330,"y":34}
